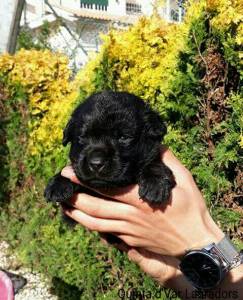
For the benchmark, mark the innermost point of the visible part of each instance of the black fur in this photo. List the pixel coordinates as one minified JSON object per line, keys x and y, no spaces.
{"x":115,"y":141}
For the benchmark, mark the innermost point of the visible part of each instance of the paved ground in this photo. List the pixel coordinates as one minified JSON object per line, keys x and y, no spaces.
{"x":37,"y":288}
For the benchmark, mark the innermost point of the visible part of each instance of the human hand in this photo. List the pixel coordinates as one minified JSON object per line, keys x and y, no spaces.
{"x":181,"y":224}
{"x":165,"y":270}
{"x":161,"y":268}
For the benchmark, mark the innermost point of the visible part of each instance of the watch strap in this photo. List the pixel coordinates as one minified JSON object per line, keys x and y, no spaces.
{"x":229,"y":252}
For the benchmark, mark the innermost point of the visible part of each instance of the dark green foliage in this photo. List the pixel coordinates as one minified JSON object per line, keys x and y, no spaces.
{"x":103,"y":79}
{"x":38,"y":40}
{"x":14,"y":132}
{"x":64,"y":290}
{"x":4,"y":174}
{"x":205,"y":111}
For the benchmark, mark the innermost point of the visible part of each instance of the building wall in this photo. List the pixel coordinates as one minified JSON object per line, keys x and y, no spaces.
{"x":7,"y":8}
{"x":35,"y":9}
{"x":84,"y":37}
{"x":115,"y":7}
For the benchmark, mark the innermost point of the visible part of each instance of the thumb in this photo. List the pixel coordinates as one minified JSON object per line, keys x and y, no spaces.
{"x":155,"y":265}
{"x":69,"y":173}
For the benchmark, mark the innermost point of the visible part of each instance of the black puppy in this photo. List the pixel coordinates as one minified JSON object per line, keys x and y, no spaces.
{"x":115,"y":141}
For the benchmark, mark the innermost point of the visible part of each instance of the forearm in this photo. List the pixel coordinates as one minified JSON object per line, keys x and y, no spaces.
{"x":230,"y":288}
{"x":232,"y":285}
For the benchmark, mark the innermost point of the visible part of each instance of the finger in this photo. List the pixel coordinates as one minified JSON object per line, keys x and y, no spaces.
{"x":112,"y":240}
{"x":102,"y":208}
{"x":182,"y":175}
{"x":154,"y":264}
{"x":120,"y":194}
{"x":95,"y":224}
{"x":130,"y":196}
{"x":127,"y":194}
{"x":122,"y":246}
{"x":69,"y":173}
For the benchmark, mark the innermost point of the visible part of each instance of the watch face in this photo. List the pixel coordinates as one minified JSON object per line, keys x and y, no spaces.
{"x":201,"y":269}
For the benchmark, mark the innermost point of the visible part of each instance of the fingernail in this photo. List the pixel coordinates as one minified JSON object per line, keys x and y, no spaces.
{"x":133,"y":255}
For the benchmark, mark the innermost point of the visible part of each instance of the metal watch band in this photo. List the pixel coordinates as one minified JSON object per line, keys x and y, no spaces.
{"x":206,"y":268}
{"x":233,"y":257}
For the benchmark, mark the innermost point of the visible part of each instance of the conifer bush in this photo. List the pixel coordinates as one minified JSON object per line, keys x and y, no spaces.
{"x":190,"y":72}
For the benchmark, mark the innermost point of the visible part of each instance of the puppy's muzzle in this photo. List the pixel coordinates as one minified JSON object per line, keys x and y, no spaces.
{"x":96,"y":160}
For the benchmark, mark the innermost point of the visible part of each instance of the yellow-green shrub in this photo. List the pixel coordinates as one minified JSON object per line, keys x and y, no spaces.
{"x":145,"y":57}
{"x":43,"y":74}
{"x":45,"y":77}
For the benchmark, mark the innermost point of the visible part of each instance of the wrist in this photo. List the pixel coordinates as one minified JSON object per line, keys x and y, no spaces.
{"x":233,"y":277}
{"x":232,"y":283}
{"x":208,"y":232}
{"x":213,"y":266}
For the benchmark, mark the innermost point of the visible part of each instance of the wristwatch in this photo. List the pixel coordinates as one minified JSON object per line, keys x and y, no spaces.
{"x":207,"y":267}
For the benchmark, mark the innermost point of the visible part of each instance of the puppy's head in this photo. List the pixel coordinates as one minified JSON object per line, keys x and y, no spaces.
{"x":112,"y":134}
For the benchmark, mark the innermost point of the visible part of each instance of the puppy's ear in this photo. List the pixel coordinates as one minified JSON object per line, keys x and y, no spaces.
{"x":154,"y":125}
{"x":68,"y":132}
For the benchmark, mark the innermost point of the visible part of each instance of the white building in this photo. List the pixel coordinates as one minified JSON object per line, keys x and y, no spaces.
{"x":84,"y":20}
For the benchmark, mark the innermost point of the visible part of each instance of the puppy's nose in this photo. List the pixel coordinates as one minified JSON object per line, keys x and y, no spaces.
{"x":96,"y":162}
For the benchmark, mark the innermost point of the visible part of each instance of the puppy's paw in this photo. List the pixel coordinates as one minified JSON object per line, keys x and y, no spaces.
{"x":59,"y":189}
{"x":155,"y":191}
{"x":156,"y":183}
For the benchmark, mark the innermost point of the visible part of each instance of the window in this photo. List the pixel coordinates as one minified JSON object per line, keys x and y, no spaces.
{"x":94,"y":4}
{"x":174,"y":15}
{"x":133,"y":8}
